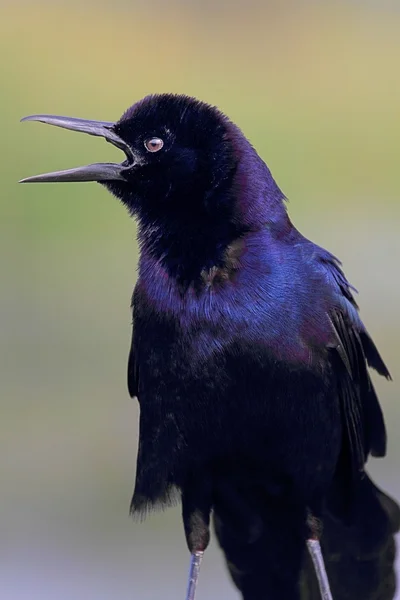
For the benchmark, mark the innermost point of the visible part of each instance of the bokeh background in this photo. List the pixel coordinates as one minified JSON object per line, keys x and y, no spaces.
{"x":316,"y":87}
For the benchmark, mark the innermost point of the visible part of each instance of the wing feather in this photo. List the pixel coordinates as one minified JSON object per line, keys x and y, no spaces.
{"x":355,"y":352}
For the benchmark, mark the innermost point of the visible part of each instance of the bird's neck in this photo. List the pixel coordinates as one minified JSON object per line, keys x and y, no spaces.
{"x":188,"y":245}
{"x":187,"y":250}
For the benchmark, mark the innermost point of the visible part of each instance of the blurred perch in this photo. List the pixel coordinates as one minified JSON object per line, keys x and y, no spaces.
{"x":360,"y":558}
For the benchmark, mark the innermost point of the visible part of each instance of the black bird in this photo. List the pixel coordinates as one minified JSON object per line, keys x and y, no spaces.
{"x":248,"y":357}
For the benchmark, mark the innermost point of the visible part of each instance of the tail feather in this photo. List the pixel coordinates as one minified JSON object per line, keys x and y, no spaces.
{"x":359,"y":557}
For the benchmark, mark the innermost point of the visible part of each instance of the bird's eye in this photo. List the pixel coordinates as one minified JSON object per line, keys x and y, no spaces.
{"x":154,"y":144}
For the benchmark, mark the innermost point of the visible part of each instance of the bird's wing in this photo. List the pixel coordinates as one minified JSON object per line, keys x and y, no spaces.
{"x":353,"y":351}
{"x":133,"y":362}
{"x":133,"y":374}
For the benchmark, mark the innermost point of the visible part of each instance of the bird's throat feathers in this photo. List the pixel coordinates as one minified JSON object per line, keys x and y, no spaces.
{"x":193,"y":240}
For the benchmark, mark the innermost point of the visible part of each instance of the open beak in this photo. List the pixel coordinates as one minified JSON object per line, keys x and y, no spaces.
{"x":95,"y":172}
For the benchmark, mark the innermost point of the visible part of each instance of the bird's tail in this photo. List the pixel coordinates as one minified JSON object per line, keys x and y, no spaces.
{"x":359,"y":557}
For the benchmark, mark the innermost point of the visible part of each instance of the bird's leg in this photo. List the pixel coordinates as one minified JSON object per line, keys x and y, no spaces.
{"x":314,"y":548}
{"x":195,"y":562}
{"x":196,"y":508}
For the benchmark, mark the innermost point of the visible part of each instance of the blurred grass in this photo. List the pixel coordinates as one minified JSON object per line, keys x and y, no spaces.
{"x":316,"y":87}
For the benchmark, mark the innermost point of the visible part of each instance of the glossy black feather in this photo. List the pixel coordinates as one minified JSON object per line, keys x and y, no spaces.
{"x":351,"y":383}
{"x":360,"y":558}
{"x":132,"y":372}
{"x":372,"y":355}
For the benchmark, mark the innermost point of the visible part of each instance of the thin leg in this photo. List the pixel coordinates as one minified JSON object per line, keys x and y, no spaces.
{"x":196,"y":508}
{"x":194,"y":571}
{"x":314,"y":548}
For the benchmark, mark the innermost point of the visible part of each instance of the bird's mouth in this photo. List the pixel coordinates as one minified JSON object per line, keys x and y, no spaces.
{"x":95,"y":172}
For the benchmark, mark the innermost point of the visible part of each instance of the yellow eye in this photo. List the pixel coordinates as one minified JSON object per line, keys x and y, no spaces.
{"x":154,"y":144}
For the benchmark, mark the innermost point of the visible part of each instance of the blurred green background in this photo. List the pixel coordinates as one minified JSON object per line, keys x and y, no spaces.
{"x":316,"y":87}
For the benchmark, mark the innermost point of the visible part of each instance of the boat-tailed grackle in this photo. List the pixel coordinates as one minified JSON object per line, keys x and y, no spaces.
{"x":249,"y":359}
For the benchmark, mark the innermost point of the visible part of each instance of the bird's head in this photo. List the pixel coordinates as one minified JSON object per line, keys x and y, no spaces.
{"x":187,"y":167}
{"x":180,"y":153}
